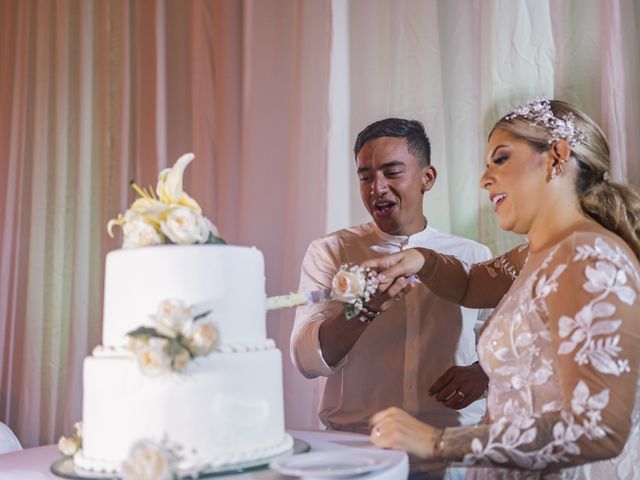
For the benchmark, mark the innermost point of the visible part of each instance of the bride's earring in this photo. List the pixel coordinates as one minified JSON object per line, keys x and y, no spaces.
{"x":556,"y":170}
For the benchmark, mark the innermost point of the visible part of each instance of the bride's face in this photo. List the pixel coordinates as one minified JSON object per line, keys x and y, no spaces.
{"x":515,"y":180}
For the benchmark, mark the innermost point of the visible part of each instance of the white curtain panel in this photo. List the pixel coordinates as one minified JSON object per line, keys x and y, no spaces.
{"x":458,"y":65}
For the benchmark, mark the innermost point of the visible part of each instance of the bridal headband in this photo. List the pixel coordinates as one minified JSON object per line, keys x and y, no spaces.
{"x":538,"y":112}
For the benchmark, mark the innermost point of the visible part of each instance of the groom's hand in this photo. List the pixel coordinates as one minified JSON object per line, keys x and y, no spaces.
{"x":459,"y":386}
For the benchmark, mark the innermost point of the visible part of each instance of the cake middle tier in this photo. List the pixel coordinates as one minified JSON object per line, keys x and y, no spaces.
{"x":224,"y":408}
{"x":226,"y":280}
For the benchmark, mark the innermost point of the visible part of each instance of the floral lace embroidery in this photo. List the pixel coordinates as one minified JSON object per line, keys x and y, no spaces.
{"x":603,"y":251}
{"x":516,"y":427}
{"x":503,"y":443}
{"x":503,"y":264}
{"x":589,"y":322}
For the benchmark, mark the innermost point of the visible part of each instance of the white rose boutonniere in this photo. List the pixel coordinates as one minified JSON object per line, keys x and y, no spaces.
{"x":353,"y":285}
{"x":348,"y":285}
{"x":148,"y":460}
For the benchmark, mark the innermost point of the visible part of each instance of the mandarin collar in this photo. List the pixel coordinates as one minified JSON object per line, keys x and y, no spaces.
{"x":403,"y":240}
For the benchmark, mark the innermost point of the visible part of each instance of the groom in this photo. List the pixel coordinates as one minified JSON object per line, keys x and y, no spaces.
{"x":403,"y":356}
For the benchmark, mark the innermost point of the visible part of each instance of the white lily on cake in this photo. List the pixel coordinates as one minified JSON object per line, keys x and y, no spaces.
{"x":167,"y":215}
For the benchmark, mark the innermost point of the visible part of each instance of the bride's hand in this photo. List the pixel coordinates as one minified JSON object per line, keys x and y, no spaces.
{"x":392,"y":268}
{"x":396,"y":429}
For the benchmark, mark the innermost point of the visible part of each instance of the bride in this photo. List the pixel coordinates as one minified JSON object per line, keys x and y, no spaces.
{"x":562,"y":348}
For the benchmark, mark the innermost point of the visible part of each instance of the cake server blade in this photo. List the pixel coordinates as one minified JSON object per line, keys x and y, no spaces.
{"x":298,"y":299}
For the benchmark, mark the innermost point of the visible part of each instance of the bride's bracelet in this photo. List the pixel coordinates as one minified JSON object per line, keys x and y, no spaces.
{"x":366,"y":315}
{"x":438,"y":446}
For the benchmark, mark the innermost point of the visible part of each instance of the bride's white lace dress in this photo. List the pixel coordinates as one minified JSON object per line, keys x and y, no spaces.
{"x":562,"y":352}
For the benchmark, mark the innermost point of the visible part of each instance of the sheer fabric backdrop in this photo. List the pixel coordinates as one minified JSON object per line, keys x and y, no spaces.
{"x":269,"y":95}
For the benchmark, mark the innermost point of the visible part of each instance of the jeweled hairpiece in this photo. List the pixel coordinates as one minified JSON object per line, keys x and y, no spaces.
{"x":538,"y":112}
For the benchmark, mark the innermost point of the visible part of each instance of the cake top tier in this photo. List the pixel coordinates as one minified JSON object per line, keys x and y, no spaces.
{"x":226,"y":281}
{"x":165,"y":216}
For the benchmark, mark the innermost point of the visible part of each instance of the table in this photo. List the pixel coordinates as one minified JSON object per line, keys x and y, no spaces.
{"x":34,"y":463}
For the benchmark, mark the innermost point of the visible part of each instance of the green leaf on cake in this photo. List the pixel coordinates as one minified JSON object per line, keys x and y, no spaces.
{"x":215,"y":240}
{"x":146,"y":332}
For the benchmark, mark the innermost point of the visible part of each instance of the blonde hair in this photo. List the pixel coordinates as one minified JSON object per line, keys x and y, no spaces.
{"x":613,"y":205}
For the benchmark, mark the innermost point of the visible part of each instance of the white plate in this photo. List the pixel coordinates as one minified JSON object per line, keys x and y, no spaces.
{"x":331,"y":464}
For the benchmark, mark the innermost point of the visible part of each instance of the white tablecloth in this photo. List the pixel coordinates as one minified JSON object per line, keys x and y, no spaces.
{"x":34,"y":463}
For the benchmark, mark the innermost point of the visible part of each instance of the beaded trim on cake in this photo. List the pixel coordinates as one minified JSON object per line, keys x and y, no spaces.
{"x":104,"y":351}
{"x":224,"y":459}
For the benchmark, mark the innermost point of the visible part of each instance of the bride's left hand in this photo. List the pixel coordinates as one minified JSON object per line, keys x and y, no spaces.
{"x":396,"y":429}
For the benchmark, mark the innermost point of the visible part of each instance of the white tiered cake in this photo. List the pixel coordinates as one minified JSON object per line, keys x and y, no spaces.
{"x":223,"y":408}
{"x":222,"y":405}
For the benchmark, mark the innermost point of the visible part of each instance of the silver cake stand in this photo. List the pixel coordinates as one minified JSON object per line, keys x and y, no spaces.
{"x":65,"y":467}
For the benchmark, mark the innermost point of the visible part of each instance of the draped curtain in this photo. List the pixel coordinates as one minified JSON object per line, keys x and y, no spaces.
{"x":95,"y":94}
{"x":459,"y":65}
{"x":269,"y":95}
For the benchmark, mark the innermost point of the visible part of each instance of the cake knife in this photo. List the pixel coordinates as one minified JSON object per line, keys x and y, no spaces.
{"x":299,"y":299}
{"x":307,"y":298}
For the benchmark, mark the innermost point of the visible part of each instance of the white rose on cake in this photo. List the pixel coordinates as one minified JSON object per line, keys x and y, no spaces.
{"x":68,"y":446}
{"x":138,"y":232}
{"x":185,"y":226}
{"x":152,"y":354}
{"x":173,"y":317}
{"x":147,"y":460}
{"x":202,"y":338}
{"x":180,"y":359}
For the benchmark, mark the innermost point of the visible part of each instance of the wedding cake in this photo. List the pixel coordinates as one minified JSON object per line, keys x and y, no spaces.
{"x":184,"y":361}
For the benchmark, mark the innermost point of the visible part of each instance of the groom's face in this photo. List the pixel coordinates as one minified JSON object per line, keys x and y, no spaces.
{"x":392,"y":183}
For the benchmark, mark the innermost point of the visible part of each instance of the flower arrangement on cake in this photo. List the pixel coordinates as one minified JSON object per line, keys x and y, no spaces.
{"x":151,"y":460}
{"x":167,"y":215}
{"x":146,"y":459}
{"x":69,"y":446}
{"x":177,"y":336}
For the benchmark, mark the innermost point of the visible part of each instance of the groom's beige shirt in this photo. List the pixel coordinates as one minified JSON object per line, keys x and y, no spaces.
{"x":403,"y":351}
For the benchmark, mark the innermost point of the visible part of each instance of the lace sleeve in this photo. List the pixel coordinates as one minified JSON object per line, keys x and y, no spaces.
{"x":580,"y":336}
{"x":480,"y":285}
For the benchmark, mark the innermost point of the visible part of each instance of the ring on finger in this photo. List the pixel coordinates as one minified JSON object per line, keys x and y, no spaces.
{"x":460,"y":394}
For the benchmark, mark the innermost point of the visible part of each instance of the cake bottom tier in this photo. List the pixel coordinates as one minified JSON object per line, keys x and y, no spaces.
{"x":223,"y":409}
